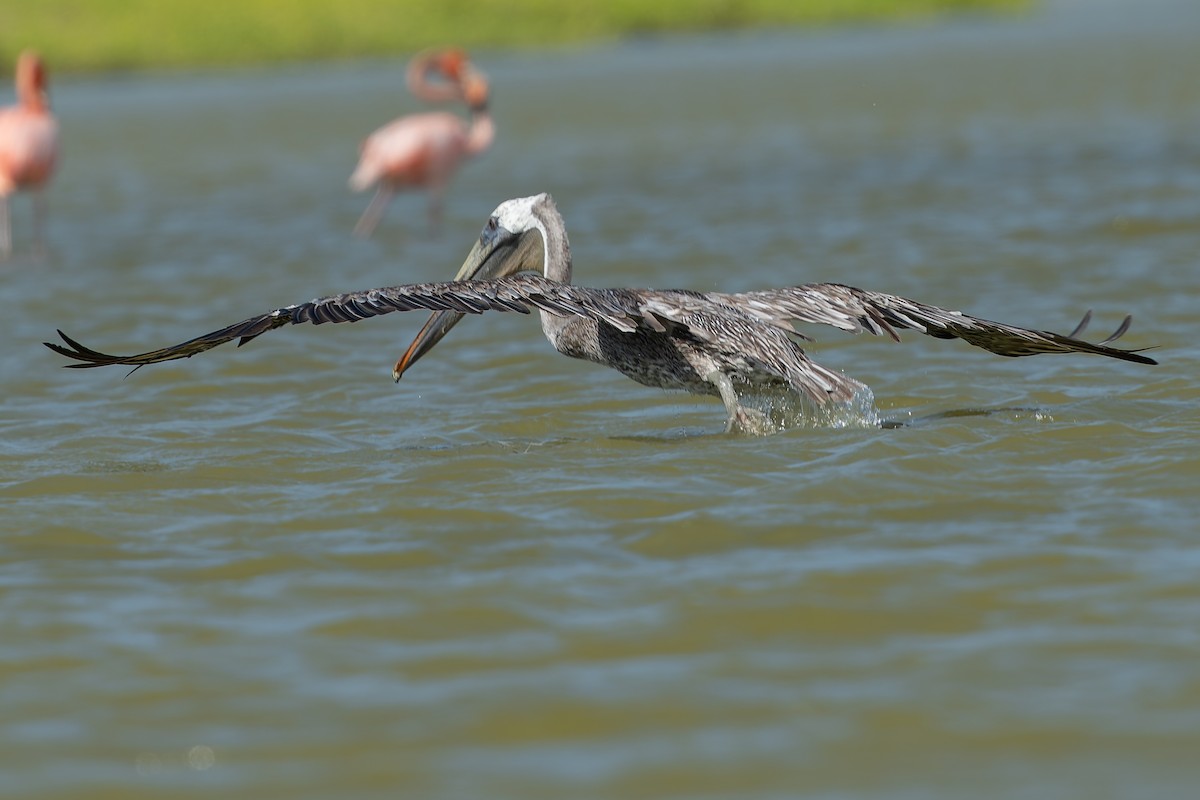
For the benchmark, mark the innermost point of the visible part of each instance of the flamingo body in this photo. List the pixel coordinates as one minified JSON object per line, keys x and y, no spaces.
{"x":28,"y":142}
{"x":413,"y":151}
{"x":28,"y":148}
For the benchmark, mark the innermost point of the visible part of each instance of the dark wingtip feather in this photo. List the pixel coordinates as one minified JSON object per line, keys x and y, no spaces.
{"x":1136,"y":356}
{"x":76,"y":351}
{"x":1120,"y":331}
{"x":80,"y":350}
{"x":1082,"y":326}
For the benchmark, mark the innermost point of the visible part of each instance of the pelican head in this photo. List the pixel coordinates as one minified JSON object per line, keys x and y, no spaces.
{"x":514,"y":239}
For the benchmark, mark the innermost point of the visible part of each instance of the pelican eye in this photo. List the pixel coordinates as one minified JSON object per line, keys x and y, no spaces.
{"x":490,"y":229}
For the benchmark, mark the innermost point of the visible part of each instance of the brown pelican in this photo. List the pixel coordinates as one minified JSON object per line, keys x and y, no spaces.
{"x":709,"y":343}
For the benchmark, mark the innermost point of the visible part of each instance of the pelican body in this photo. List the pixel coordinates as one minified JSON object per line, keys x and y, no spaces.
{"x":28,"y":145}
{"x":425,"y":150}
{"x":707,"y":343}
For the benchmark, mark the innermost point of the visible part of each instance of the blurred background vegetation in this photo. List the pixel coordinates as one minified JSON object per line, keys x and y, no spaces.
{"x":91,"y":35}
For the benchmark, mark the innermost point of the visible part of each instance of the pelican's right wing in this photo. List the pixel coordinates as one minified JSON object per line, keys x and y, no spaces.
{"x":519,"y":293}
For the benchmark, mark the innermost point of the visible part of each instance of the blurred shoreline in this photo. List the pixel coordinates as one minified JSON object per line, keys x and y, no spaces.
{"x":88,"y":36}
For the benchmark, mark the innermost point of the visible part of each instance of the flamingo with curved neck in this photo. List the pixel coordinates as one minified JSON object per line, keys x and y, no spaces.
{"x":426,"y":150}
{"x":428,"y":65}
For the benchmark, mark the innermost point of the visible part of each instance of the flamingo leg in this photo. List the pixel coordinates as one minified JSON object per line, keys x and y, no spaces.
{"x":374,"y":211}
{"x":5,"y":229}
{"x":437,"y":195}
{"x":39,"y":219}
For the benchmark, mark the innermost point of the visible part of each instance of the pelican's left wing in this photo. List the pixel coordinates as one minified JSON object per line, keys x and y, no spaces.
{"x":852,"y":309}
{"x":519,"y":293}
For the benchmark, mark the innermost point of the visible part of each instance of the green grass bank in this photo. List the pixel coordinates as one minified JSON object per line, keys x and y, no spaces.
{"x":105,"y":35}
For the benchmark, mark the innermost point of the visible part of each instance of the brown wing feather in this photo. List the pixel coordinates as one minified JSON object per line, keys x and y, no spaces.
{"x":744,"y":337}
{"x":852,"y":309}
{"x":841,"y":306}
{"x":519,"y":293}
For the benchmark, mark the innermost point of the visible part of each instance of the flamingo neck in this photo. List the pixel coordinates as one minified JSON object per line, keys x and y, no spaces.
{"x":31,"y":85}
{"x":482,"y":132}
{"x":417,"y":77}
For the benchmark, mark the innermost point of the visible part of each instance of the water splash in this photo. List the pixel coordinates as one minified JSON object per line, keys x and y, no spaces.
{"x":1012,"y":413}
{"x":777,"y":410}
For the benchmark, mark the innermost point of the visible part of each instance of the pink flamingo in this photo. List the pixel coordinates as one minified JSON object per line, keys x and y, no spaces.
{"x":28,"y":145}
{"x":425,"y":150}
